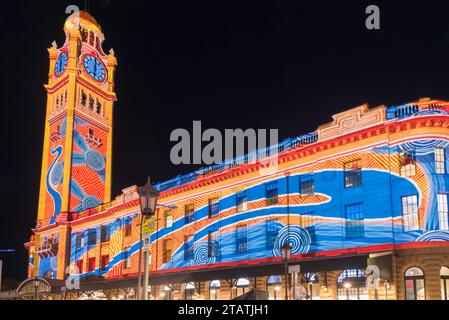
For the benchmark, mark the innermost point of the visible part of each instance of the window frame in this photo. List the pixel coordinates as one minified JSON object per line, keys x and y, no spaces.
{"x":410,"y":217}
{"x":271,"y":200}
{"x":189,"y":252}
{"x":353,"y":175}
{"x":213,"y":205}
{"x":241,"y":240}
{"x":440,"y":160}
{"x":354,"y":226}
{"x":189,"y":213}
{"x":306,"y":185}
{"x":241,"y":206}
{"x":443,"y":213}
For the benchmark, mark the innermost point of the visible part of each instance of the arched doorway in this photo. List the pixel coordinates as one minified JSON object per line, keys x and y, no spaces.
{"x":444,"y":279}
{"x":167,"y":292}
{"x":312,"y":281}
{"x":189,"y":291}
{"x":214,"y":289}
{"x":351,"y":285}
{"x":414,"y":284}
{"x":241,"y":286}
{"x":274,"y":284}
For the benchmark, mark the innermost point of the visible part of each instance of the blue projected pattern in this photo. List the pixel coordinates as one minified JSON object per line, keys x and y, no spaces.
{"x":94,"y":68}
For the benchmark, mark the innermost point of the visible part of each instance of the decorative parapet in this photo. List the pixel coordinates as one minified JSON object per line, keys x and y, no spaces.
{"x":351,"y":120}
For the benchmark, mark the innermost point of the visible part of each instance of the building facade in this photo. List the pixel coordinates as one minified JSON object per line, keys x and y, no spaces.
{"x":366,"y":191}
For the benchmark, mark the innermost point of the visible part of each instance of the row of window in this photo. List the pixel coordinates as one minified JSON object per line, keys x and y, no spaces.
{"x":407,"y":161}
{"x":410,"y":212}
{"x":105,"y":235}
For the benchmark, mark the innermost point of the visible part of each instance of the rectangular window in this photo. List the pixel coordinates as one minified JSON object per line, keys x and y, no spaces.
{"x":105,"y":233}
{"x":92,"y":237}
{"x":127,"y":256}
{"x":188,"y":247}
{"x":308,"y":219}
{"x":128,"y":229}
{"x":104,"y":262}
{"x":353,"y":174}
{"x":214,"y":207}
{"x":307,"y":185}
{"x":271,"y":193}
{"x":439,"y":161}
{"x":189,"y":213}
{"x":167,"y":250}
{"x":79,"y":264}
{"x":79,"y":240}
{"x":443,"y":211}
{"x":354,"y":221}
{"x":91,"y":265}
{"x":241,"y":201}
{"x":407,"y":163}
{"x":241,"y":239}
{"x":213,"y":240}
{"x":272,"y":232}
{"x":410,"y":213}
{"x":168,"y":219}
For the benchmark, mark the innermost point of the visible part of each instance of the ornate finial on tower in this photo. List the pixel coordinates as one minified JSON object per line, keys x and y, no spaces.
{"x":111,"y":52}
{"x":54,"y":45}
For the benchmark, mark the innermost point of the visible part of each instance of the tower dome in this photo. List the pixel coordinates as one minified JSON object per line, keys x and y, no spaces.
{"x":84,"y":22}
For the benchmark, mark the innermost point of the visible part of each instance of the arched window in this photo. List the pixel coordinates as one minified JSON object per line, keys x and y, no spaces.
{"x":274,"y":284}
{"x":166,"y":293}
{"x":189,"y":291}
{"x":444,"y":276}
{"x":414,"y":284}
{"x":241,"y":286}
{"x":313,"y":285}
{"x":214,"y":289}
{"x":351,"y":285}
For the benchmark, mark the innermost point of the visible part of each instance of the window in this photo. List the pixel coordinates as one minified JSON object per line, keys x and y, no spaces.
{"x":188,"y":248}
{"x":353,"y":174}
{"x":168,"y":219}
{"x":444,"y":279}
{"x":105,"y":233}
{"x":167,"y":250}
{"x":443,"y":211}
{"x":79,"y":265}
{"x":83,"y":98}
{"x":127,"y":256}
{"x":213,"y":241}
{"x":241,"y":286}
{"x":414,"y":284}
{"x":79,"y":240}
{"x":272,"y":193}
{"x":308,"y":220}
{"x":272,"y":232}
{"x":214,"y":207}
{"x":274,"y":284}
{"x":214,"y":289}
{"x":189,"y":291}
{"x":351,"y":285}
{"x":407,"y":162}
{"x":439,"y":161}
{"x":128,"y":229}
{"x":92,"y":237}
{"x":307,"y":185}
{"x":354,"y":221}
{"x":241,"y":239}
{"x":189,"y":213}
{"x":410,"y":213}
{"x":91,"y":265}
{"x":104,"y":262}
{"x":241,"y":201}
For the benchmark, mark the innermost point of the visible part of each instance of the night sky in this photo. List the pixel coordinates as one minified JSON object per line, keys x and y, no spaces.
{"x":262,"y":64}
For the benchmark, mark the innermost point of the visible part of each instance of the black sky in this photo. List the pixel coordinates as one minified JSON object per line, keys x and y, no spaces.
{"x":231,"y":64}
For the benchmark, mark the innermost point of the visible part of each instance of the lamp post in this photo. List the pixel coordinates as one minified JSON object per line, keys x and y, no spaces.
{"x":286,"y":251}
{"x":148,"y":200}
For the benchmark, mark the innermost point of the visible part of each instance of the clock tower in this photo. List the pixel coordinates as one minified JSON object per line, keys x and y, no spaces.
{"x":77,"y":153}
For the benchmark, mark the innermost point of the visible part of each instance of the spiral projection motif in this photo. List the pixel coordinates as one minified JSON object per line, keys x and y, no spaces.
{"x":298,"y":238}
{"x":56,"y":174}
{"x":90,"y":202}
{"x":94,"y":160}
{"x":201,"y":254}
{"x":435,"y":235}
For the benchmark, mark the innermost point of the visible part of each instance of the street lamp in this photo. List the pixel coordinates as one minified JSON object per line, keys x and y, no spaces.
{"x":148,"y":200}
{"x":286,"y":252}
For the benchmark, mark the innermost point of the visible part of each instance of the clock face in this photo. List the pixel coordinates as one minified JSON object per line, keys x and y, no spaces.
{"x":94,"y":68}
{"x":61,"y":64}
